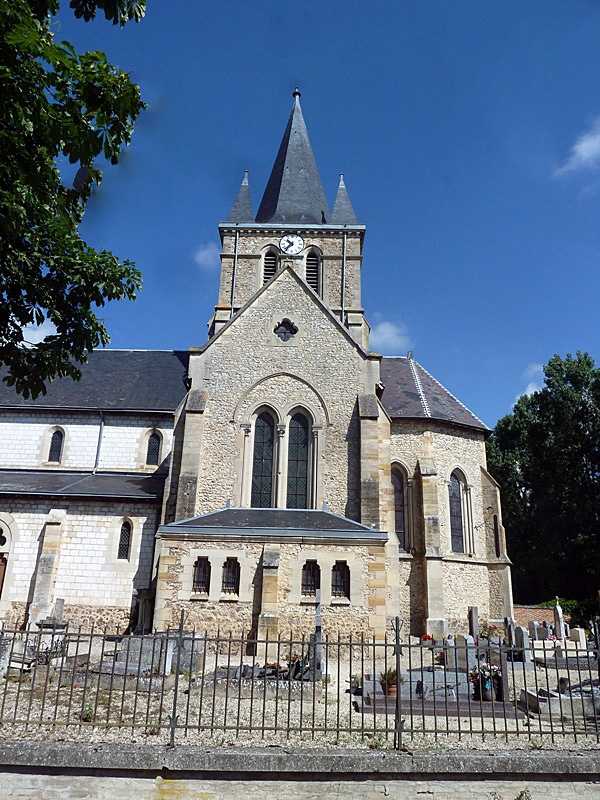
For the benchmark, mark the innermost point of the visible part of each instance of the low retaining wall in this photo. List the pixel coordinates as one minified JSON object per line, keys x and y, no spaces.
{"x":31,"y":770}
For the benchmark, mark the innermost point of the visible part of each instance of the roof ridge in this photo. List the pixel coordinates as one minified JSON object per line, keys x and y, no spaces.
{"x":417,"y":381}
{"x":441,"y":385}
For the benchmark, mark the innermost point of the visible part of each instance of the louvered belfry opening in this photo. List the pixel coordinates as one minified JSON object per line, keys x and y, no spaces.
{"x":269,"y":265}
{"x":312,"y":271}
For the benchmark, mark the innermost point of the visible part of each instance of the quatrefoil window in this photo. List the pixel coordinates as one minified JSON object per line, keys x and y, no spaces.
{"x":285,"y":329}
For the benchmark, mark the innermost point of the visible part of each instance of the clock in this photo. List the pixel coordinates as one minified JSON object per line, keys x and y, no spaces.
{"x":291,"y":244}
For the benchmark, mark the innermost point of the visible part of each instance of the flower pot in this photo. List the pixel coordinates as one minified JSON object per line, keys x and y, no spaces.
{"x":391,"y":689}
{"x":486,"y":694}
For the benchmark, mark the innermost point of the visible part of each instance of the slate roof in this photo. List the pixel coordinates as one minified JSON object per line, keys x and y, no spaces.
{"x":82,"y":484}
{"x":411,"y":392}
{"x":343,"y":212}
{"x":241,"y":210}
{"x":119,"y":380}
{"x":294,"y":192}
{"x":261,"y":522}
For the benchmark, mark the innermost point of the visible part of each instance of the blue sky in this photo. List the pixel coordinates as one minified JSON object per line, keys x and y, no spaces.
{"x":469,"y":136}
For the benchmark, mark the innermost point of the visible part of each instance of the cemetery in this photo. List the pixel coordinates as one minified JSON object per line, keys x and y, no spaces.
{"x":543,"y":678}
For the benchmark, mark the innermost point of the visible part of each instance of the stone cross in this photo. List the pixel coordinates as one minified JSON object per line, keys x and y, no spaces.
{"x":559,"y":622}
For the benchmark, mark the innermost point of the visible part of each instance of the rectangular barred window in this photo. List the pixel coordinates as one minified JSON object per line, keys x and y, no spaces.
{"x":311,"y":579}
{"x":340,"y":580}
{"x":201,"y":584}
{"x":231,"y":577}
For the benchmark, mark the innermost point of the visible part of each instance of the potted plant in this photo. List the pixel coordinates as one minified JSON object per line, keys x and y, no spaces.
{"x":389,"y":681}
{"x":427,"y":640}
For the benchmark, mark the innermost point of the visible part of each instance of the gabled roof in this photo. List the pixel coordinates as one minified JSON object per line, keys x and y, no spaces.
{"x":274,"y":524}
{"x":55,"y":483}
{"x":312,"y":295}
{"x":410,"y":392}
{"x":294,"y":191}
{"x":241,"y":211}
{"x":343,"y":213}
{"x":119,"y":380}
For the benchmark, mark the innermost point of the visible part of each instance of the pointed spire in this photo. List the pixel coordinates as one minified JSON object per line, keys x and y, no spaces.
{"x":241,"y":211}
{"x":343,"y":213}
{"x":294,"y":191}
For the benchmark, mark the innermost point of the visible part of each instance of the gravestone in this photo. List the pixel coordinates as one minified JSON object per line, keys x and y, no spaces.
{"x":567,"y":630}
{"x":543,"y":632}
{"x":450,"y":653}
{"x":559,"y":622}
{"x":509,"y":625}
{"x":473,"y":614}
{"x":466,"y":653}
{"x":533,"y":630}
{"x":577,"y":635}
{"x":523,"y":650}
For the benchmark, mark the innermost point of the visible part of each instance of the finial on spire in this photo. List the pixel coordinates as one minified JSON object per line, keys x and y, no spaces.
{"x":342,"y":179}
{"x":296,"y":92}
{"x":245,"y":181}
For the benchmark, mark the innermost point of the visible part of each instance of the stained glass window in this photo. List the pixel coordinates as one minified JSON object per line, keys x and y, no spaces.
{"x":456,"y":514}
{"x":124,"y":541}
{"x":399,"y":506}
{"x":262,"y":464}
{"x":56,"y":444}
{"x":297,"y":480}
{"x":153,"y":452}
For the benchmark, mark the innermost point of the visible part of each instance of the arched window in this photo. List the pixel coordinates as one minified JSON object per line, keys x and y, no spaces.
{"x":56,"y":446}
{"x":201,"y":582}
{"x":399,"y":486}
{"x":456,"y":494}
{"x":269,"y":265}
{"x":313,"y":277}
{"x":298,"y":449}
{"x":263,"y":484}
{"x":231,"y":577}
{"x":124,"y":541}
{"x":153,"y":450}
{"x":311,"y":578}
{"x":340,"y":580}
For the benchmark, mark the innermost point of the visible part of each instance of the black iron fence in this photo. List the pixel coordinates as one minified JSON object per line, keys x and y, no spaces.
{"x":183,"y":686}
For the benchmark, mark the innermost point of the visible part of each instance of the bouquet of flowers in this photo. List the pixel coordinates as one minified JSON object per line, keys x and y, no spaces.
{"x":484,"y":673}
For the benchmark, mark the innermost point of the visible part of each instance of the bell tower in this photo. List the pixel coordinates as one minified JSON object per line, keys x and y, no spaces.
{"x":293,"y":227}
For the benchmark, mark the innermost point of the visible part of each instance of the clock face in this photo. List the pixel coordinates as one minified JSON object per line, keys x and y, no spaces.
{"x":291,"y":244}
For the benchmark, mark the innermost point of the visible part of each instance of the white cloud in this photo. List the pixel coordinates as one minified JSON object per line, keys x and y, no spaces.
{"x":390,"y":338}
{"x":585,"y":153}
{"x":36,"y":333}
{"x":534,"y":374}
{"x":207,"y":256}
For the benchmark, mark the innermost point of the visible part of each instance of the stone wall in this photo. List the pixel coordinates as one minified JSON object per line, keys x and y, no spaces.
{"x":29,"y":771}
{"x":234,"y":614}
{"x":25,"y":439}
{"x":319,"y":368}
{"x":89,"y":575}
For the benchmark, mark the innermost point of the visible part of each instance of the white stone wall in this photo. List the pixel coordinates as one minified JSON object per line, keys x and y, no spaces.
{"x":89,"y":573}
{"x":24,"y":440}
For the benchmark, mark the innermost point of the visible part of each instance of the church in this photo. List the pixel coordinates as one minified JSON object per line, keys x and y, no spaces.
{"x":280,"y":464}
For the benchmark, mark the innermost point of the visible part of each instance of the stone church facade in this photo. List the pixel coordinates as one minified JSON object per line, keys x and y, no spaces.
{"x":281,"y":462}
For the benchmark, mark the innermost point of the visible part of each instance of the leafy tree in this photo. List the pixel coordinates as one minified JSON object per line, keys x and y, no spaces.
{"x":546,"y":457}
{"x":56,"y":103}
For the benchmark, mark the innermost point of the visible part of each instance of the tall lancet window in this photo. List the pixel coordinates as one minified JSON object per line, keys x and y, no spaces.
{"x":298,"y":450}
{"x":263,"y":462}
{"x":456,"y":491}
{"x":312,"y":272}
{"x":399,"y":485}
